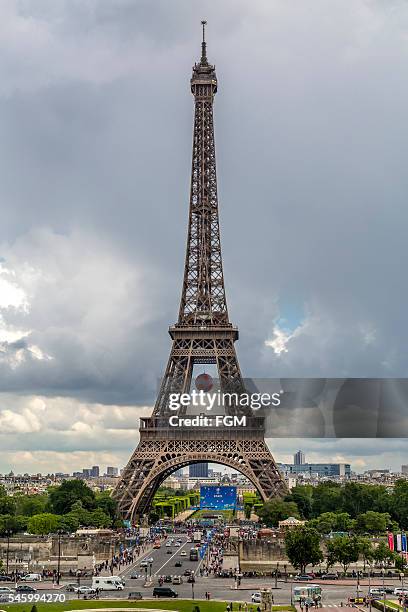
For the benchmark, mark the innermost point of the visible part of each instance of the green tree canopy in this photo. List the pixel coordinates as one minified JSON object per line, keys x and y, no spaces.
{"x":343,"y":550}
{"x":399,"y":503}
{"x":373,"y":522}
{"x":271,"y":512}
{"x":10,"y":524}
{"x":303,"y":547}
{"x":43,"y":524}
{"x":302,"y":496}
{"x":7,"y":505}
{"x":62,"y":498}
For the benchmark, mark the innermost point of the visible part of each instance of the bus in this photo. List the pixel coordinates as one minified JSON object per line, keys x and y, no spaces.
{"x":193,"y":554}
{"x":308,"y":591}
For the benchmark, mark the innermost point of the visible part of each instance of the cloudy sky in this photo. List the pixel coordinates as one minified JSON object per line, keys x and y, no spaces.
{"x":96,"y":121}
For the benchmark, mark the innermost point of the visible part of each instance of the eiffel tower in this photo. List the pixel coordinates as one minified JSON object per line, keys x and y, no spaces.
{"x":203,"y":334}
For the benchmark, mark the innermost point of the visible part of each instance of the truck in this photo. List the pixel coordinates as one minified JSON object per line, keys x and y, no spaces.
{"x":108,"y":583}
{"x":197,"y":535}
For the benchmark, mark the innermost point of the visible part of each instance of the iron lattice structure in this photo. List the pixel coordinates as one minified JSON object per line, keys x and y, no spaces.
{"x":202,"y":334}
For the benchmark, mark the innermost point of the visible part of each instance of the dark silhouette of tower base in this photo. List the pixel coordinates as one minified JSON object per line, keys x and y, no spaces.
{"x":202,"y":335}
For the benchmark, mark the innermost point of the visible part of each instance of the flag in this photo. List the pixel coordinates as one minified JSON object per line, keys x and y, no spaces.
{"x":391,"y":541}
{"x":399,"y":543}
{"x":404,"y":542}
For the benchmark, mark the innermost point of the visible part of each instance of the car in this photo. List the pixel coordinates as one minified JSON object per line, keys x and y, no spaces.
{"x":164,"y":592}
{"x":84,"y":590}
{"x":183,"y":553}
{"x":401,"y":591}
{"x":177,"y":580}
{"x":177,"y":544}
{"x":168,"y":544}
{"x":169,"y":552}
{"x":332,"y":576}
{"x":178,"y":564}
{"x":25,"y":588}
{"x":377,"y":591}
{"x":256,"y":597}
{"x":302,"y":577}
{"x":187,"y":572}
{"x":191,"y":578}
{"x":5,"y":579}
{"x":71,"y":587}
{"x":6,"y":590}
{"x":135,"y":595}
{"x":134,"y":576}
{"x":144,"y":563}
{"x":31,"y":578}
{"x":150,"y":560}
{"x":168,"y":578}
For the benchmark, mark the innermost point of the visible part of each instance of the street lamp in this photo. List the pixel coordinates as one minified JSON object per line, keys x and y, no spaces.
{"x":79,"y":581}
{"x":383,"y":581}
{"x":291,"y":593}
{"x":8,"y":533}
{"x":192,"y":587}
{"x":59,"y":556}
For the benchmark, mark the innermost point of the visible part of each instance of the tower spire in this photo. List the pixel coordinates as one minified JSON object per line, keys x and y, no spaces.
{"x":204,"y":46}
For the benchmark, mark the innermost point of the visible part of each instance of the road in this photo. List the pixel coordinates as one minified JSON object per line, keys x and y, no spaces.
{"x":333,"y":594}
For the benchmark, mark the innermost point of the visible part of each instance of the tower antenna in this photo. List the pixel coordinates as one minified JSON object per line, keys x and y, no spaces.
{"x":204,"y":45}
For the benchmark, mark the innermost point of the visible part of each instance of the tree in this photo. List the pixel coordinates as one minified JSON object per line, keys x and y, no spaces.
{"x":105,"y":502}
{"x":247,"y":511}
{"x":399,"y":503}
{"x":343,"y":550}
{"x":373,"y":522}
{"x":302,"y":496}
{"x":303,"y":547}
{"x":326,"y":498}
{"x":276,"y":510}
{"x":28,"y":505}
{"x":400,"y":563}
{"x":68,"y":522}
{"x":63,"y":498}
{"x":382,"y":553}
{"x":98,"y":518}
{"x":7,"y":505}
{"x":366,"y":550}
{"x":10,"y":524}
{"x":43,"y":524}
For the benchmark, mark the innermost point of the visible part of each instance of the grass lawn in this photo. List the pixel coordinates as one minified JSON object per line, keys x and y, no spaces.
{"x":183,"y":605}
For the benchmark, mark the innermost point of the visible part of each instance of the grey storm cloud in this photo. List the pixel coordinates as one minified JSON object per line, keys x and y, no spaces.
{"x":312,"y":142}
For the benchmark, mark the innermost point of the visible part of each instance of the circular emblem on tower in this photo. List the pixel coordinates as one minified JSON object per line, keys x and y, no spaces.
{"x":204,"y":382}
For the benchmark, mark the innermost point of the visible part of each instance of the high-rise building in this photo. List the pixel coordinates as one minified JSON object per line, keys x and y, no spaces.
{"x":95,"y":471}
{"x":86,"y":473}
{"x":112,"y":471}
{"x":299,"y":458}
{"x":404,"y":469}
{"x":198,"y":470}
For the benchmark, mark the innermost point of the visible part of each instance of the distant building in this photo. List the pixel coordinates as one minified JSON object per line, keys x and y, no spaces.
{"x":86,"y":473}
{"x":318,"y":469}
{"x":299,"y":458}
{"x":404,"y":470}
{"x":95,"y":471}
{"x":112,"y":471}
{"x":198,"y":470}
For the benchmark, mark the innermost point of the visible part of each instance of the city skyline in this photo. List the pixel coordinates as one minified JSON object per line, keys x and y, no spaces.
{"x":84,"y":291}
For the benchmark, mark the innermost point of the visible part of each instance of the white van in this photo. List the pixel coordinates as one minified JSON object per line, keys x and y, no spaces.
{"x":32,"y":578}
{"x":107,"y":583}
